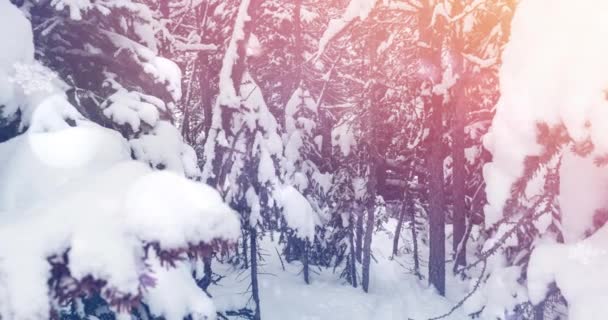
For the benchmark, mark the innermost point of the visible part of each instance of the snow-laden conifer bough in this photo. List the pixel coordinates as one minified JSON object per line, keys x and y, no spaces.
{"x":71,"y":196}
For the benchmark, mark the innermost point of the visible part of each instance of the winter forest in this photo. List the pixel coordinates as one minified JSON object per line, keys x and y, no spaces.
{"x":303,"y":159}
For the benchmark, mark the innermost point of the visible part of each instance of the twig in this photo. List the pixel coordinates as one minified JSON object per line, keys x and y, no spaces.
{"x":463,"y":300}
{"x":280,"y":259}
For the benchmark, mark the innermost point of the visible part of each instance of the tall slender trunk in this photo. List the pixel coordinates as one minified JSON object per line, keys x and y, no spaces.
{"x":372,"y":185}
{"x":305,"y":268}
{"x":539,"y":311}
{"x":207,"y":272}
{"x":254,"y":272}
{"x":367,"y":249}
{"x":459,"y":215}
{"x":436,"y":200}
{"x":414,"y":225}
{"x":245,"y":250}
{"x":359,"y":234}
{"x":433,"y":34}
{"x":352,"y":266}
{"x":398,"y":229}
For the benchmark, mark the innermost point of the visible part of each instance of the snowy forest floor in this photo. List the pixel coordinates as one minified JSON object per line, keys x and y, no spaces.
{"x":395,"y":292}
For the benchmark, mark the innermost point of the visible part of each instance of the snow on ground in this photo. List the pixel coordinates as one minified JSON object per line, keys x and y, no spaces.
{"x":395,"y":293}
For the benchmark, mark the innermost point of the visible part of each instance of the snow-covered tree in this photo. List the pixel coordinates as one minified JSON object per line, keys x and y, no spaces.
{"x":84,"y":226}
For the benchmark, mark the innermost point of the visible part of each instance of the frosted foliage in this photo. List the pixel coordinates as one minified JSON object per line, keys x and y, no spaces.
{"x":163,"y":70}
{"x":550,"y":73}
{"x":355,"y":9}
{"x":343,"y":137}
{"x":72,"y":185}
{"x":75,"y":7}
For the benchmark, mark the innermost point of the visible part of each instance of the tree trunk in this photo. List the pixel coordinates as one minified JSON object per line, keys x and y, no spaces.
{"x":359,"y":234}
{"x":415,"y":241}
{"x":432,"y":34}
{"x":436,"y":200}
{"x":459,"y":214}
{"x":208,"y":273}
{"x":254,"y":272}
{"x":539,"y":311}
{"x":367,"y":249}
{"x":398,"y":229}
{"x":245,"y":250}
{"x":304,"y":253}
{"x":351,"y":261}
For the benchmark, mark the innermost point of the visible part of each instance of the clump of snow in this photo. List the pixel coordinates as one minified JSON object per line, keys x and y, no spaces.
{"x":16,"y":30}
{"x":131,"y":108}
{"x":179,"y":213}
{"x":228,"y":95}
{"x":175,"y":296}
{"x":164,"y":148}
{"x":343,"y":137}
{"x":297,"y":211}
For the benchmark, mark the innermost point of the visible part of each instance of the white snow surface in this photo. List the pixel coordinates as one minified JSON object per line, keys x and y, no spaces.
{"x":395,"y":293}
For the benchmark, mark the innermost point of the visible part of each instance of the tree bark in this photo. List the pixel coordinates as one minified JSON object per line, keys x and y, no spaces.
{"x":359,"y":234}
{"x":432,"y":34}
{"x":351,"y":261}
{"x":413,"y":226}
{"x":254,"y":272}
{"x":305,"y":267}
{"x":367,"y":249}
{"x":398,"y":229}
{"x":459,"y":215}
{"x":436,"y":201}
